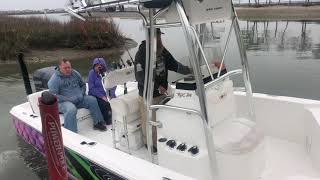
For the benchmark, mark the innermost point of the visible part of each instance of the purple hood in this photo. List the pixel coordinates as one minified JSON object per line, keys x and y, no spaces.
{"x":100,"y":61}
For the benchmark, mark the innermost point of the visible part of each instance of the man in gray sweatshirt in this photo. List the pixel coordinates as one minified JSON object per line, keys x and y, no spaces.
{"x":67,"y":84}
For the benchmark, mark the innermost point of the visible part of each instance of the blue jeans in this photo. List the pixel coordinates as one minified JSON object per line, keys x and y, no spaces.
{"x":69,"y":111}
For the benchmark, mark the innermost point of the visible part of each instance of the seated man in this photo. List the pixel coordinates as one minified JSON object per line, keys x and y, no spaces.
{"x":69,"y":88}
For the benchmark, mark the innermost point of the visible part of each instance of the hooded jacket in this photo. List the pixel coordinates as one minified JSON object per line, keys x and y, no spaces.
{"x":67,"y":88}
{"x":95,"y":80}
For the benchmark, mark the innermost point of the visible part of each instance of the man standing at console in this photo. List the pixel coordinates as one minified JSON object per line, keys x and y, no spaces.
{"x":67,"y":84}
{"x":164,"y":62}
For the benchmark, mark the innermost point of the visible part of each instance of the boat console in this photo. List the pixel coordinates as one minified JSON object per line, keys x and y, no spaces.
{"x":181,"y":139}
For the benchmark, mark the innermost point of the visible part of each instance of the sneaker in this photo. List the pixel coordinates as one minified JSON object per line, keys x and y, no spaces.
{"x":99,"y":127}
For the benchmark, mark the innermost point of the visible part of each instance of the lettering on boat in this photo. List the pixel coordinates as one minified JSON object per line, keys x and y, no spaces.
{"x":55,"y":143}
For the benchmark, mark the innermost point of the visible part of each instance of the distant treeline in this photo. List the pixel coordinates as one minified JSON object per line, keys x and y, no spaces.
{"x":25,"y":12}
{"x":264,"y":3}
{"x":23,"y":34}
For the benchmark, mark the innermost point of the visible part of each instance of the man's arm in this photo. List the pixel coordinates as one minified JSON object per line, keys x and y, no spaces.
{"x":139,"y":64}
{"x":173,"y":65}
{"x":81,"y":83}
{"x":53,"y":85}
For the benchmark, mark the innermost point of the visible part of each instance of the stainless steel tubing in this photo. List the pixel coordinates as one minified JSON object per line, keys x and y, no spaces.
{"x":245,"y":69}
{"x":178,"y":109}
{"x":125,"y":126}
{"x":150,"y":85}
{"x":200,"y":90}
{"x":226,"y":47}
{"x":166,"y":25}
{"x":201,"y":50}
{"x":222,"y":78}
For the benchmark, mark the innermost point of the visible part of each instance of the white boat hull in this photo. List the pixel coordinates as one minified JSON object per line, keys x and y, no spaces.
{"x":289,"y":150}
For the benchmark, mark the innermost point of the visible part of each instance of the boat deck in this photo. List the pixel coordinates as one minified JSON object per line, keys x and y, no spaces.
{"x":283,"y":160}
{"x":85,"y":129}
{"x":286,"y":160}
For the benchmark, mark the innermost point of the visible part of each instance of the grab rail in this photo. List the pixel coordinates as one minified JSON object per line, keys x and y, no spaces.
{"x":222,"y":78}
{"x":166,"y":25}
{"x":108,"y":4}
{"x":177,"y":108}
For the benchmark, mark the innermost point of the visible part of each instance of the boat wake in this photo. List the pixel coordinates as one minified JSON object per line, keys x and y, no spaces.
{"x":6,"y":157}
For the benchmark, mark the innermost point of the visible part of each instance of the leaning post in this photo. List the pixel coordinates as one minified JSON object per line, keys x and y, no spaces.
{"x":51,"y":131}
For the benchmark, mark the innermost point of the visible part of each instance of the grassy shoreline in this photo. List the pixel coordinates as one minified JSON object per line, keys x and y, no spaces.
{"x":53,"y":55}
{"x":35,"y":33}
{"x":280,"y":12}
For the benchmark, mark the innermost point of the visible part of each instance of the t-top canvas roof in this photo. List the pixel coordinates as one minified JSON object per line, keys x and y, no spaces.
{"x":198,"y":11}
{"x":202,"y":11}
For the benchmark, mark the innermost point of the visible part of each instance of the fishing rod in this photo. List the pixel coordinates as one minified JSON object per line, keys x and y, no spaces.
{"x":123,"y":64}
{"x":125,"y":91}
{"x":129,"y":54}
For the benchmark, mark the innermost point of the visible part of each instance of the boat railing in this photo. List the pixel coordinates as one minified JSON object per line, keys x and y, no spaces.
{"x":111,"y":3}
{"x":222,"y":78}
{"x":187,"y":110}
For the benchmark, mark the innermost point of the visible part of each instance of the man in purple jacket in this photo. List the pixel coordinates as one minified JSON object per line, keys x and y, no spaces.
{"x":96,"y":88}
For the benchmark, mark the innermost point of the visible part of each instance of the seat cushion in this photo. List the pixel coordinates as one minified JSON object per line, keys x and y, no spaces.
{"x":126,"y":106}
{"x":83,"y":114}
{"x":33,"y":100}
{"x":129,"y":117}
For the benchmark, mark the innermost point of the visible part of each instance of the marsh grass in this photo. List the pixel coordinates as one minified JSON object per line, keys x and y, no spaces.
{"x":23,"y":34}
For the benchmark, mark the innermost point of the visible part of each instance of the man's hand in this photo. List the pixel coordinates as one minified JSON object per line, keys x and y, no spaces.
{"x":105,"y":98}
{"x":162,"y":90}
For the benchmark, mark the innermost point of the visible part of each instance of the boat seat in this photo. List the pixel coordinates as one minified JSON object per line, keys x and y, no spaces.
{"x":232,"y":134}
{"x":82,"y":113}
{"x":126,"y":106}
{"x":125,"y":120}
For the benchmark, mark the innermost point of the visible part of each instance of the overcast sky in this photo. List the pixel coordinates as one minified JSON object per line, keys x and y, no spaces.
{"x":31,"y":4}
